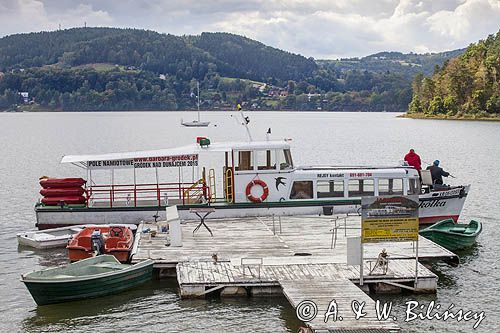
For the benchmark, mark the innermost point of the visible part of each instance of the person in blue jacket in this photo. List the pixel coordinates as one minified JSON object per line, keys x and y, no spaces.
{"x":437,"y":173}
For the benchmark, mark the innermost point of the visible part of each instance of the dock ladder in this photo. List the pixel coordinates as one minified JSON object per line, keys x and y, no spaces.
{"x":229,"y":185}
{"x":211,"y":185}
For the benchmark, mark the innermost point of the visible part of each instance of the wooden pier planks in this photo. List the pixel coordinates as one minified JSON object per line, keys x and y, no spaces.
{"x":209,"y":273}
{"x":253,"y":237}
{"x":343,"y":293}
{"x":320,"y":283}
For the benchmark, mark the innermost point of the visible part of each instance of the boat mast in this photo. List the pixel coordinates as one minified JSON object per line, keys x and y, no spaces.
{"x":246,"y":120}
{"x":198,"y":86}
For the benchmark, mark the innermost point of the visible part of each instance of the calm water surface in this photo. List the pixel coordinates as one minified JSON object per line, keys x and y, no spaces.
{"x":33,"y":143}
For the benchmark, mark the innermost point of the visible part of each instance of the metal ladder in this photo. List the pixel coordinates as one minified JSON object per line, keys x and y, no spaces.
{"x":229,"y":185}
{"x":211,"y":185}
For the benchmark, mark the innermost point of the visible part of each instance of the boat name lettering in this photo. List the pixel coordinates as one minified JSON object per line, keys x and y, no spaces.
{"x":455,"y":191}
{"x":432,"y":203}
{"x":330,"y":175}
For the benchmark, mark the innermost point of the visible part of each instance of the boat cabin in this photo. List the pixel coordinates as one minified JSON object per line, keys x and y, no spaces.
{"x":256,"y":172}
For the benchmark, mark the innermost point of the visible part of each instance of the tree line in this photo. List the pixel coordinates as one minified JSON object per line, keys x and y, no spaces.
{"x":467,"y":85}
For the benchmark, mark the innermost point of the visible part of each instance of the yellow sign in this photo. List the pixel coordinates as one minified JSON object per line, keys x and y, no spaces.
{"x":395,"y":229}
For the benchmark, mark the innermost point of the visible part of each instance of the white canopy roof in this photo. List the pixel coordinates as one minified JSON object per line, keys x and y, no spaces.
{"x":184,"y":150}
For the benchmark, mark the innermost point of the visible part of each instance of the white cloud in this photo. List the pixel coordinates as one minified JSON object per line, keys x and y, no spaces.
{"x":32,"y":15}
{"x":318,"y":28}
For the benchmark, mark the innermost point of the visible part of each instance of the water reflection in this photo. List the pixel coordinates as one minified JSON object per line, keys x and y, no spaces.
{"x":46,"y":258}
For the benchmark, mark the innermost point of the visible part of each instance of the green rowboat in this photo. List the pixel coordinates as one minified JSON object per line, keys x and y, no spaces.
{"x":453,"y":236}
{"x":88,"y":278}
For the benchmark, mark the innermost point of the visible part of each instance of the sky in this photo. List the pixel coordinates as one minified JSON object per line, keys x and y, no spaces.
{"x":323,"y":29}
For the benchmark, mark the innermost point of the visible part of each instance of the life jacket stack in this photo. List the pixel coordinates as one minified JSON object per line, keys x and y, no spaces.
{"x":62,"y":191}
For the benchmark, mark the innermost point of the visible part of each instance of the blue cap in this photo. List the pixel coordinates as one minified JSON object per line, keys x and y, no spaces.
{"x":436,"y":162}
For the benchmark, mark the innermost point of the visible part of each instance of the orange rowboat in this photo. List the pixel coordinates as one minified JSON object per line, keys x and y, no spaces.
{"x":95,"y":240}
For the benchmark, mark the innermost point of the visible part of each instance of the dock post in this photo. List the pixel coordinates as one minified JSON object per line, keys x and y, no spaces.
{"x":174,"y":223}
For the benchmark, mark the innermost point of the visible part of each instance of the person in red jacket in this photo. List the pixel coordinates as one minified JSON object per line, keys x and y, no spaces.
{"x":413,"y":160}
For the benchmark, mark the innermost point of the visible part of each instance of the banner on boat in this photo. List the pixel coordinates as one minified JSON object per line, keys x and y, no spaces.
{"x":389,"y":219}
{"x":146,"y":162}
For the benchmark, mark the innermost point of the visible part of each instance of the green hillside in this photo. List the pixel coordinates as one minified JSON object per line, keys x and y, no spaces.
{"x":466,"y":86}
{"x":129,"y":69}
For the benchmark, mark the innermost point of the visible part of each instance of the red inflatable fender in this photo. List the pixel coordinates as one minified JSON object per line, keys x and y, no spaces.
{"x":68,"y":200}
{"x":62,"y":182}
{"x":62,"y":192}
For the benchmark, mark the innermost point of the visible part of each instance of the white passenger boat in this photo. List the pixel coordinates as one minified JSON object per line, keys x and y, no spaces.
{"x":52,"y":238}
{"x":255,"y":178}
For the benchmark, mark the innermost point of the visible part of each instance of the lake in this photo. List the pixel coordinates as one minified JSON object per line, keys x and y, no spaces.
{"x":32,"y":145}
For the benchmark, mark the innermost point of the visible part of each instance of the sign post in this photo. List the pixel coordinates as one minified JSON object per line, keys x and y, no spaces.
{"x":392,"y":218}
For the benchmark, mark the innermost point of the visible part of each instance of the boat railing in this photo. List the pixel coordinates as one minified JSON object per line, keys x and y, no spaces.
{"x":196,"y":192}
{"x":134,"y":195}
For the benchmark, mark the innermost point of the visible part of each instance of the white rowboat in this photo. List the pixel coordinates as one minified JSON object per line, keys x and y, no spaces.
{"x":53,"y":238}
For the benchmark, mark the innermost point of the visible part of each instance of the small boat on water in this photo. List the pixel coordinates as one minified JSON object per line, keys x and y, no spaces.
{"x":196,"y":122}
{"x":93,"y":277}
{"x":48,"y":239}
{"x":54,"y":238}
{"x":451,"y":235}
{"x":116,"y":240}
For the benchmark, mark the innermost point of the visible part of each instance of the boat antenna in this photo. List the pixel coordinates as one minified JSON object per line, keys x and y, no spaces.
{"x":246,"y":120}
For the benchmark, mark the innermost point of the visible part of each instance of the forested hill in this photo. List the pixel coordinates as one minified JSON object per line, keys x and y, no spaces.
{"x":228,"y":54}
{"x":466,"y":86}
{"x":130,"y":69}
{"x":408,"y":64}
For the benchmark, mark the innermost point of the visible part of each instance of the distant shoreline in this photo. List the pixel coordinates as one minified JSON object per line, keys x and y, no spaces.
{"x":445,"y":117}
{"x":37,"y":108}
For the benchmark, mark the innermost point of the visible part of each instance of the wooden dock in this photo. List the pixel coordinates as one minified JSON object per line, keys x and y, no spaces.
{"x":304,"y":258}
{"x":320,"y":283}
{"x":342,"y":293}
{"x":261,"y":238}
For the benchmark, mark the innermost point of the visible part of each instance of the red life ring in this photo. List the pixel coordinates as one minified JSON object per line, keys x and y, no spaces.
{"x":264,"y":188}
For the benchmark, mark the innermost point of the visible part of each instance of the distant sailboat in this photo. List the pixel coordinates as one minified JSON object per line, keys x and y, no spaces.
{"x":196,"y":123}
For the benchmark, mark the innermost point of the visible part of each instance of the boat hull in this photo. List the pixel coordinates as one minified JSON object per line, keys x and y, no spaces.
{"x":451,"y":240}
{"x":451,"y":243}
{"x":80,"y":245}
{"x":80,"y":254}
{"x":49,"y":244}
{"x":432,"y":209}
{"x":58,"y":292}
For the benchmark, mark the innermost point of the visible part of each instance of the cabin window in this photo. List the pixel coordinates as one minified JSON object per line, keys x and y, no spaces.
{"x":354,"y":187}
{"x":302,"y":190}
{"x":265,"y":160}
{"x":358,"y":187}
{"x":390,"y":186}
{"x":397,"y":186}
{"x":330,"y":188}
{"x":245,"y":161}
{"x":367,"y":187}
{"x":284,"y":159}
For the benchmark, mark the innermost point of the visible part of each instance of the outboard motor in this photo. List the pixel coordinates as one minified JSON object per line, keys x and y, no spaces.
{"x":97,"y":242}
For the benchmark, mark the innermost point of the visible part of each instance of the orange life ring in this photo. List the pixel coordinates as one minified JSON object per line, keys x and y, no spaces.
{"x":264,"y":188}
